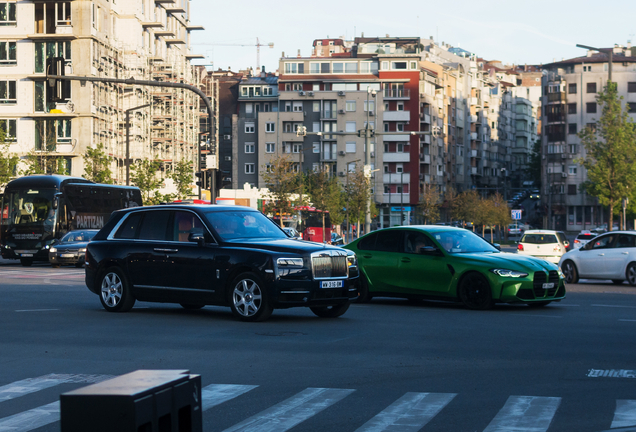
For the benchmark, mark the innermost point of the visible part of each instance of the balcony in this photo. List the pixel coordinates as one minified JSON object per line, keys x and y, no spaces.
{"x":473,"y":171}
{"x":474,"y":136}
{"x":474,"y":119}
{"x":396,"y":198}
{"x":473,"y":153}
{"x":396,"y":157}
{"x":396,"y":178}
{"x":400,"y":138}
{"x":556,"y":118}
{"x":424,"y":158}
{"x":425,"y":118}
{"x":556,"y":97}
{"x":426,"y":139}
{"x":397,"y":93}
{"x":396,"y":115}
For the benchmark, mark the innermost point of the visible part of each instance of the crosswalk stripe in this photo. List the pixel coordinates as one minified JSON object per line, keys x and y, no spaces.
{"x":31,"y":419}
{"x":409,"y":413}
{"x":216,"y":394}
{"x":525,"y":414}
{"x":289,"y":413}
{"x":625,"y":414}
{"x":32,"y":385}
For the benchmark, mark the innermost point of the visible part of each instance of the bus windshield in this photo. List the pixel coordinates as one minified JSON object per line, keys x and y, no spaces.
{"x":28,"y":207}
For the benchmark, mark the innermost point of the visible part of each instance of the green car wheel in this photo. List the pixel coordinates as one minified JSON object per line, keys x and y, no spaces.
{"x":474,"y":292}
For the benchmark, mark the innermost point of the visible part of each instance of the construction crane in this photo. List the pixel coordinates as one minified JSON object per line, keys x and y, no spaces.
{"x":258,"y":46}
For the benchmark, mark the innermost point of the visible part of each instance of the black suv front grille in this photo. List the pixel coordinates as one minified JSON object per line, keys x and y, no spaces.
{"x":540,"y":278}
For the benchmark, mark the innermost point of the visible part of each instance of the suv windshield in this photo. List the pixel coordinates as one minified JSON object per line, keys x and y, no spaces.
{"x":539,"y":238}
{"x":239,"y":224}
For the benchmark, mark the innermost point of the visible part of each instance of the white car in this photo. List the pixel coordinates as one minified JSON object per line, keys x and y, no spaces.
{"x":608,"y":256}
{"x":545,"y":244}
{"x":583,"y":237}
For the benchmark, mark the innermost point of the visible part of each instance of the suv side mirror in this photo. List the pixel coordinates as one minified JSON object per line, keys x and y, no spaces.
{"x":197,"y":237}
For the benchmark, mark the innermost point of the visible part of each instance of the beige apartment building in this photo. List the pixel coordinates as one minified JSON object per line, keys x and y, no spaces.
{"x":143,"y":39}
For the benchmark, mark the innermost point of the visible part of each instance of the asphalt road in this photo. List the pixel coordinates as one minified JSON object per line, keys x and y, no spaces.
{"x":429,"y":366}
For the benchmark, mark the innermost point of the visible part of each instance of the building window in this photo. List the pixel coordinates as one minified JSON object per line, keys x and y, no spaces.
{"x":270,"y":147}
{"x":399,"y":127}
{"x":43,"y":50}
{"x":573,"y":148}
{"x":316,"y":147}
{"x":572,"y":108}
{"x":572,"y":88}
{"x":572,"y":169}
{"x":9,"y":128}
{"x":351,"y":147}
{"x":571,"y":190}
{"x":298,"y":106}
{"x":398,"y":65}
{"x":297,"y":86}
{"x":63,"y":131}
{"x":631,"y":107}
{"x":316,"y":106}
{"x":249,"y":108}
{"x":8,"y":55}
{"x":8,"y":13}
{"x":270,"y":127}
{"x":249,"y":147}
{"x":591,"y":87}
{"x":591,"y":107}
{"x":249,"y":168}
{"x":351,"y":106}
{"x":631,"y":87}
{"x":294,"y":68}
{"x":249,"y":128}
{"x":572,"y":128}
{"x":8,"y":93}
{"x":351,"y":126}
{"x":370,"y":106}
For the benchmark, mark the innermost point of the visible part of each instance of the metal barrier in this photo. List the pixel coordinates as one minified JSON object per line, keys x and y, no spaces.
{"x":141,"y":401}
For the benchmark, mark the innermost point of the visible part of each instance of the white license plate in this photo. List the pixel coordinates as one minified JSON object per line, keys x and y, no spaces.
{"x":26,"y":255}
{"x":548,"y":285}
{"x":331,"y":284}
{"x":67,"y":255}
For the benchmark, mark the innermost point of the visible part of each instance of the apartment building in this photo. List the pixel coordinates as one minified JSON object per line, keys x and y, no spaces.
{"x":143,"y":39}
{"x":570,"y":88}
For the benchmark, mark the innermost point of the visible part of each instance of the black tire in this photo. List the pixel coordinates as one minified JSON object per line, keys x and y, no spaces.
{"x":474,"y":292}
{"x":26,"y":262}
{"x":330,"y":311}
{"x":630,"y":274}
{"x":363,"y":289}
{"x":617,"y":281}
{"x":570,"y":272}
{"x":115,"y":294}
{"x":248,"y":299}
{"x":191,"y":306}
{"x":539,"y":304}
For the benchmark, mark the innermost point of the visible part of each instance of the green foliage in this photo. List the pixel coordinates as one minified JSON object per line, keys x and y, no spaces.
{"x":182,"y":177}
{"x":429,"y":205}
{"x":38,"y":163}
{"x":8,"y":161}
{"x":146,"y":175}
{"x":357,"y":194}
{"x":468,"y":207}
{"x":282,"y":181}
{"x":96,"y":165}
{"x":325,"y":192}
{"x":610,"y":152}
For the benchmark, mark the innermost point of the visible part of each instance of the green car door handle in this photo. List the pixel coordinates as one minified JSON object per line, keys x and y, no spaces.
{"x":368,"y":256}
{"x":405,"y":259}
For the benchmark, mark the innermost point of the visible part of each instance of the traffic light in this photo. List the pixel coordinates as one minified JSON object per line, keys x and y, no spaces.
{"x":58,"y":90}
{"x":221,"y":181}
{"x":200,"y":179}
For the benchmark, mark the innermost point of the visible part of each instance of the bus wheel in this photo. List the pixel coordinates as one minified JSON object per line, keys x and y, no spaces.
{"x":26,"y":262}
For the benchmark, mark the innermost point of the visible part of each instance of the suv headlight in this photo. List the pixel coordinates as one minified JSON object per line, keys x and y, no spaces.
{"x":290,"y":262}
{"x":509,"y":273}
{"x":352,"y":261}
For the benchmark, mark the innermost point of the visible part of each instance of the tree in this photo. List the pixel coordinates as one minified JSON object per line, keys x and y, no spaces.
{"x":357,"y":194}
{"x":96,"y":165}
{"x":469,"y":207}
{"x":40,"y":160}
{"x":325,"y":192}
{"x":429,"y":204}
{"x":281,"y":180}
{"x":451,"y":204}
{"x":146,"y":176}
{"x":610,"y":152}
{"x":182,"y":177}
{"x":8,"y":161}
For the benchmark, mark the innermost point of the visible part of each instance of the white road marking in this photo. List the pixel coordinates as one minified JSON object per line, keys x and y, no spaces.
{"x":32,"y":385}
{"x":625,"y":414}
{"x":611,"y":373}
{"x":410,"y":413}
{"x":216,"y":394}
{"x":31,"y":419}
{"x":615,"y":306}
{"x":525,"y":414}
{"x":289,"y":413}
{"x":36,"y":310}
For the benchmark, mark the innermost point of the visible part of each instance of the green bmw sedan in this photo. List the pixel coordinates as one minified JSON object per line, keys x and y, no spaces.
{"x":454,"y":264}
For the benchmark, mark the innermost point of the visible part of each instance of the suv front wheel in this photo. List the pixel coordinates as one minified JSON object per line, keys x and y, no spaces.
{"x":248,"y":299}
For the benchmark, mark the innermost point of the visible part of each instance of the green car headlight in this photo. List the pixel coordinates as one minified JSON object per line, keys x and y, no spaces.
{"x":561,"y":275}
{"x":509,"y":273}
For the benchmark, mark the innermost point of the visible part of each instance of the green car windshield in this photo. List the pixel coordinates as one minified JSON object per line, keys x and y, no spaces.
{"x":455,"y":242}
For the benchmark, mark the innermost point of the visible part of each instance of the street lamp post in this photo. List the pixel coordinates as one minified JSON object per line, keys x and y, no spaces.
{"x":367,"y":161}
{"x":127,"y":162}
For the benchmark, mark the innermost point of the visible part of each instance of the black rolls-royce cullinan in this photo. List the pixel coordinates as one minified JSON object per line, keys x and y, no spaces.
{"x":198,"y":255}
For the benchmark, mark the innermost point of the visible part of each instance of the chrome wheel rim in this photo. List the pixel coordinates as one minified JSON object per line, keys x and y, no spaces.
{"x":111,"y":289}
{"x":247,"y":298}
{"x":568,"y":272}
{"x":631,"y":275}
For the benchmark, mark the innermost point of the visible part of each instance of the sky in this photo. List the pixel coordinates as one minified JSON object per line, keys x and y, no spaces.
{"x":513,"y":32}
